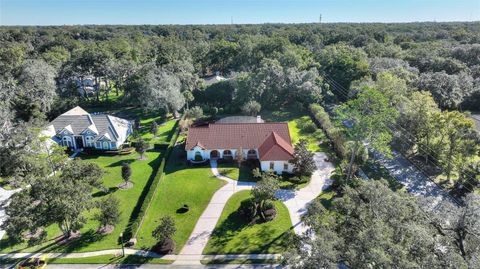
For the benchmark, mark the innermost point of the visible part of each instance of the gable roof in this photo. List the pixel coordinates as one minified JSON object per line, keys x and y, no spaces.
{"x":271,"y":139}
{"x":78,"y":120}
{"x":275,"y":148}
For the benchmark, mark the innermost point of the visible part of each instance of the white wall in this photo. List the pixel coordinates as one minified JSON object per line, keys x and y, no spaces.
{"x":277,"y":166}
{"x":206,"y":153}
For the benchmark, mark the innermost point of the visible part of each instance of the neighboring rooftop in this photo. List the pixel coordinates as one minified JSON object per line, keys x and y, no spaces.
{"x":77,"y":120}
{"x":271,"y":139}
{"x":209,"y":80}
{"x":241,"y":119}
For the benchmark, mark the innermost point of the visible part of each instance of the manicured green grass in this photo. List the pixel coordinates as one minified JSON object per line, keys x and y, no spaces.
{"x":165,"y":127}
{"x":290,"y":185}
{"x":181,"y":185}
{"x":109,"y":259}
{"x":231,"y":170}
{"x":297,"y":119}
{"x":233,"y":235}
{"x":90,"y":239}
{"x":164,"y":130}
{"x":239,"y":261}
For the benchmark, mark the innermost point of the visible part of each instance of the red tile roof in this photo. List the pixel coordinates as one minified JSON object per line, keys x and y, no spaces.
{"x":271,"y":139}
{"x":275,"y":148}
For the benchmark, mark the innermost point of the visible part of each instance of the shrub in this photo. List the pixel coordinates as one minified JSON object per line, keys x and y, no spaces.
{"x":109,"y":213}
{"x":147,"y":193}
{"x":160,"y":146}
{"x":248,"y":210}
{"x":126,"y":171}
{"x":309,"y":127}
{"x":335,"y":135}
{"x":165,"y":230}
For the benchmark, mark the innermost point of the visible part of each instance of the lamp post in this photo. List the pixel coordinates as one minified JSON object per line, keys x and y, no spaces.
{"x":121,"y":242}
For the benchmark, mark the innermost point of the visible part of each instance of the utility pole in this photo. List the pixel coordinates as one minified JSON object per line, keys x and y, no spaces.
{"x":320,"y":18}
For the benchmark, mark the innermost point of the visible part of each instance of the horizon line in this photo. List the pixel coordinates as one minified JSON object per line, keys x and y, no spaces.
{"x":225,"y":24}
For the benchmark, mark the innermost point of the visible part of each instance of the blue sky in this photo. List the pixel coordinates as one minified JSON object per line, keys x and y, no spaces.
{"x":59,"y":12}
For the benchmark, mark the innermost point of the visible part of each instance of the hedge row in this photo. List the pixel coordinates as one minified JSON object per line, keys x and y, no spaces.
{"x":149,"y":190}
{"x":123,"y":151}
{"x":321,"y":118}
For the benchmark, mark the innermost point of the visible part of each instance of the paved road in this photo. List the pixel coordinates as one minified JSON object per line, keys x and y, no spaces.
{"x":414,"y":180}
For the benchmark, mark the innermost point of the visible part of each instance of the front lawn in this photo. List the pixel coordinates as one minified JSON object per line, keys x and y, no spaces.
{"x":90,"y":239}
{"x":231,"y":170}
{"x":193,"y":186}
{"x":233,"y":235}
{"x":109,"y":259}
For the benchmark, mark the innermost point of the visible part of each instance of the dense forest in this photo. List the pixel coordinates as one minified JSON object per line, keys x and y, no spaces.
{"x":422,"y":69}
{"x":408,"y":87}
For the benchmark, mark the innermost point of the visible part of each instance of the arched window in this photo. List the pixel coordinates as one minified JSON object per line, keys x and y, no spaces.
{"x":252,"y":154}
{"x":227,"y":152}
{"x":67,"y":142}
{"x":106,"y":145}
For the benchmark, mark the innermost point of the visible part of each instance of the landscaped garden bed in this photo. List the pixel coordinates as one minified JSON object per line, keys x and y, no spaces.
{"x":235,"y":235}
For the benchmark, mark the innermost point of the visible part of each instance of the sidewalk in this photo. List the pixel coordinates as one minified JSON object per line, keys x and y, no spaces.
{"x":295,"y":200}
{"x":192,"y":251}
{"x":191,"y":254}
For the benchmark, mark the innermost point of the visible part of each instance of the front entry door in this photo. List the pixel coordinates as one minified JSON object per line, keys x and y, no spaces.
{"x":79,"y":142}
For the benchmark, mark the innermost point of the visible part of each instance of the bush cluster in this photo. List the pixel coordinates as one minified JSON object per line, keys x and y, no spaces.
{"x":150,"y":189}
{"x":335,"y":135}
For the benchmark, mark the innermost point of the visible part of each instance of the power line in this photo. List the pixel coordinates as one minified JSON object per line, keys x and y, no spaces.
{"x":344,"y":92}
{"x":428,"y":215}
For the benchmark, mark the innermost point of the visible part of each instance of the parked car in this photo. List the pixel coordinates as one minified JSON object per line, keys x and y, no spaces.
{"x":33,"y":263}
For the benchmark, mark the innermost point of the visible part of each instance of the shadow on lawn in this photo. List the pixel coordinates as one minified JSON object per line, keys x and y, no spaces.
{"x":52,"y":245}
{"x":121,"y":162}
{"x":103,"y":193}
{"x":155,"y":164}
{"x":233,"y":225}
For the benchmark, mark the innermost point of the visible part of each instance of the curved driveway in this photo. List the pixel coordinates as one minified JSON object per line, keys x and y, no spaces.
{"x":295,"y":200}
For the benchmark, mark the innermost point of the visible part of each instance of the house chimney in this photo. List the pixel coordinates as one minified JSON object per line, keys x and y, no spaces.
{"x":259,"y":119}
